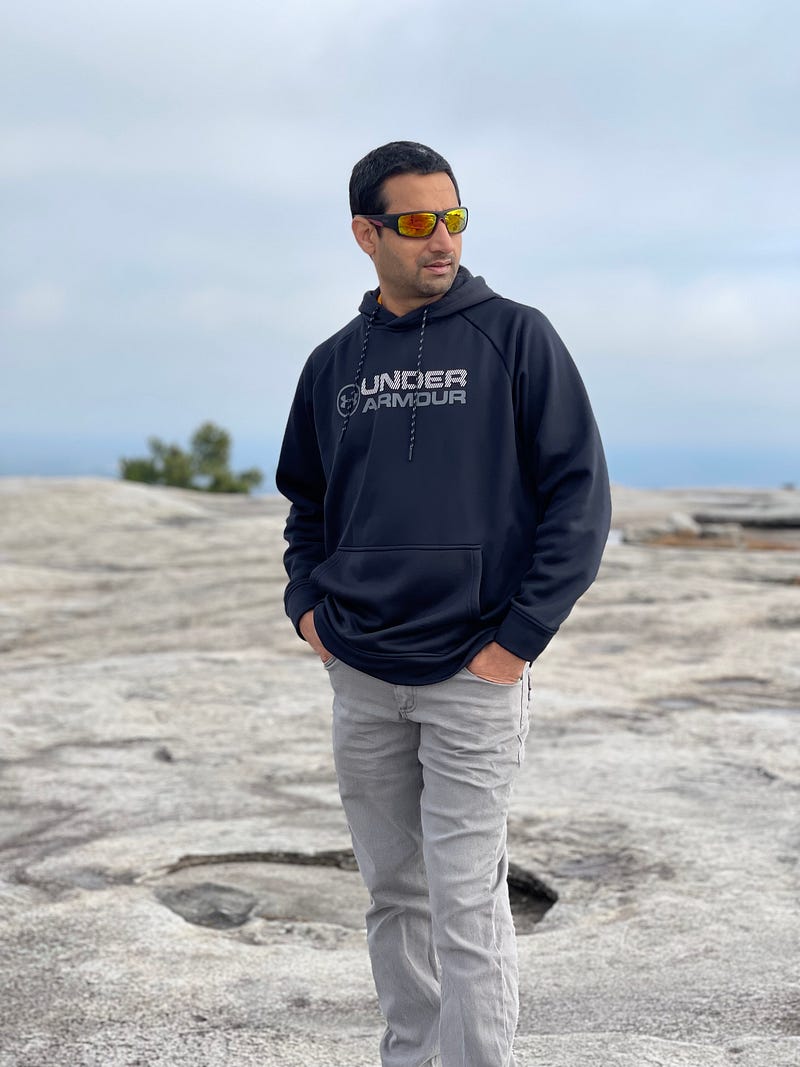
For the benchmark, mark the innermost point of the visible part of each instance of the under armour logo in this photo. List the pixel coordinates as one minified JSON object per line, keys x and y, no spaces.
{"x":347,"y":400}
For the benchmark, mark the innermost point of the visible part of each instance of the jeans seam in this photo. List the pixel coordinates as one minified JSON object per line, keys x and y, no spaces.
{"x":524,"y":697}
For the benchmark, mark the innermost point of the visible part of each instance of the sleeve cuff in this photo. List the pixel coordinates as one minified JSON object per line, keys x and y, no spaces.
{"x":300,"y":597}
{"x":520,"y":635}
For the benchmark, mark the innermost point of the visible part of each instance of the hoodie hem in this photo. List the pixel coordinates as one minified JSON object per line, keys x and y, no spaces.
{"x":420,"y":668}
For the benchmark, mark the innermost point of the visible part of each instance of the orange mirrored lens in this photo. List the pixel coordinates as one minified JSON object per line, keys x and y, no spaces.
{"x":420,"y":224}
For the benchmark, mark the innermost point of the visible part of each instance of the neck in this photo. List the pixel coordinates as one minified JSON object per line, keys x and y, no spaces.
{"x":398,"y":306}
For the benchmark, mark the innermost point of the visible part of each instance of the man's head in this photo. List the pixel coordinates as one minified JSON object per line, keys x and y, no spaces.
{"x":406,"y":177}
{"x":367,"y":195}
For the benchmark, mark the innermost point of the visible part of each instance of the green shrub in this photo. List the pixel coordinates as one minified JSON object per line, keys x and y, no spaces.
{"x":206,"y":466}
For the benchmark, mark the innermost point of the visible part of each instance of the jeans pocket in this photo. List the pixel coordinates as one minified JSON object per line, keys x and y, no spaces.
{"x":488,"y":681}
{"x":328,"y":663}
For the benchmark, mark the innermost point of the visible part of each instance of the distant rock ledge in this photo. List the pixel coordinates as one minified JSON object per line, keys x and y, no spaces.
{"x":709,"y":518}
{"x":719,"y":530}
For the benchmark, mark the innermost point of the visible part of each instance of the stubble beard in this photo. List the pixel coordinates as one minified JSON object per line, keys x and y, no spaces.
{"x":435,"y":285}
{"x":411,"y":283}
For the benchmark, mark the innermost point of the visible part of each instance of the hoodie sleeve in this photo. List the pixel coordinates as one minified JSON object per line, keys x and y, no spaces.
{"x":566,"y":466}
{"x":301,"y":479}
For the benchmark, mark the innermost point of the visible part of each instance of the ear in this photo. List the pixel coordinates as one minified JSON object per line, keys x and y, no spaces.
{"x":366,"y":234}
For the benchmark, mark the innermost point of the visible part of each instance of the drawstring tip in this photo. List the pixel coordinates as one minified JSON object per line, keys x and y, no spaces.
{"x":410,"y":452}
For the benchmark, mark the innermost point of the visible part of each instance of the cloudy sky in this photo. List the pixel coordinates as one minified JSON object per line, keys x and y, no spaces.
{"x":175,"y":230}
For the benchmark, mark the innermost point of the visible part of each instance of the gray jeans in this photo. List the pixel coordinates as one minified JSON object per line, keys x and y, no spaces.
{"x":425,"y":776}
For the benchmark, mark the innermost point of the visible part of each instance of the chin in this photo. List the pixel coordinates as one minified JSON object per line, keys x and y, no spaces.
{"x":434,"y":286}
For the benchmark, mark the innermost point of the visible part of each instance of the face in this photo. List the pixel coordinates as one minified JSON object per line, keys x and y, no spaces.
{"x":413,"y":271}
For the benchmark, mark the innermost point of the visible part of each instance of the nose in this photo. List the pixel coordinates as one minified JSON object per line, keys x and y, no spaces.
{"x":441,"y":239}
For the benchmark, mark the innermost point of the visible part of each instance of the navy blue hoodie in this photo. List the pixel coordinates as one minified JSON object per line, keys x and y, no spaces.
{"x":447,"y":482}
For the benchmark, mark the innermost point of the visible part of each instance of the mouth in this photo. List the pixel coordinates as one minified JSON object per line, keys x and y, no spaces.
{"x":439,"y":266}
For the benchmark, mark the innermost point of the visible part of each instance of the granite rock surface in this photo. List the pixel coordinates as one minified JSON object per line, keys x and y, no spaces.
{"x":175,"y":877}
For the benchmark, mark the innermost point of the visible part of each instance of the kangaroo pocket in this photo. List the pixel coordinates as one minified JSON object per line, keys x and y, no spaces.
{"x":402,"y":600}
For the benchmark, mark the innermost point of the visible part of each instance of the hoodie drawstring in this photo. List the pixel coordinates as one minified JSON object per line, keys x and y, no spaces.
{"x":360,"y":370}
{"x":416,"y":391}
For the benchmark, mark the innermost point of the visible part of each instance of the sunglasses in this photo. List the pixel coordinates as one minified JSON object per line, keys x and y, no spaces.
{"x":423,"y":223}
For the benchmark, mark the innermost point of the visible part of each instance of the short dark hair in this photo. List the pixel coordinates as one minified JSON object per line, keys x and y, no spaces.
{"x":397,"y":157}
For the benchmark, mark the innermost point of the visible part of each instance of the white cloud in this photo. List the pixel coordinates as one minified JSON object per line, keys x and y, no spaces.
{"x":175,"y":193}
{"x":707,"y":321}
{"x":40,"y":304}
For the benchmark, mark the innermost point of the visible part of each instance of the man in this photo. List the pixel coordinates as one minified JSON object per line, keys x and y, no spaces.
{"x":449,"y":505}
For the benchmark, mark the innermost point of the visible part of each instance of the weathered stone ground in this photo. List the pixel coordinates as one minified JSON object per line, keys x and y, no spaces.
{"x":174,"y":884}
